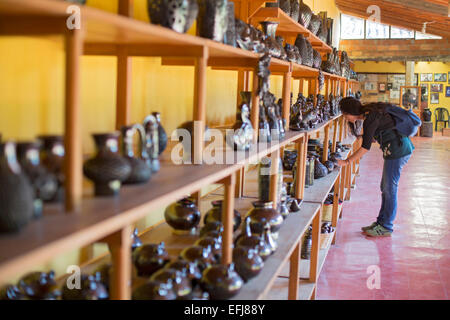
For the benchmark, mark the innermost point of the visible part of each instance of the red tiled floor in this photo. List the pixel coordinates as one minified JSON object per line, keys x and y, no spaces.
{"x":415,"y":262}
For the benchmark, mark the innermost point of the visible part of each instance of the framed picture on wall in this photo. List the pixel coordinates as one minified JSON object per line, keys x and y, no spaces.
{"x":389,"y":86}
{"x":440,"y":77}
{"x":426,"y":77}
{"x":447,"y":91}
{"x":382,"y":87}
{"x":436,"y":87}
{"x":448,"y":78}
{"x":434,"y":98}
{"x":424,"y":91}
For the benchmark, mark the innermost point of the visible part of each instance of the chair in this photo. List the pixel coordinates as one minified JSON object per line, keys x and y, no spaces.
{"x":439,"y":116}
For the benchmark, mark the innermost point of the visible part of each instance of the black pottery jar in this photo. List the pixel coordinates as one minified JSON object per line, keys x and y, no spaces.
{"x":247,"y":239}
{"x":270,"y":29}
{"x":16,"y":192}
{"x":189,"y":269}
{"x":426,"y":114}
{"x":151,"y":127}
{"x":11,"y":292}
{"x":221,"y":282}
{"x":248,"y":262}
{"x":149,"y":258}
{"x":52,"y":157}
{"x":107,"y":169}
{"x":103,"y":274}
{"x":242,"y":134}
{"x":213,"y":244}
{"x":178,"y":15}
{"x":179,"y":282}
{"x":44,"y":183}
{"x":162,"y":135}
{"x":154,"y":290}
{"x":212,"y":21}
{"x":183,"y":216}
{"x":202,"y":256}
{"x":210,"y":228}
{"x":40,"y":286}
{"x":307,"y":244}
{"x":91,"y":289}
{"x":215,"y":214}
{"x":262,"y":212}
{"x":140,"y":170}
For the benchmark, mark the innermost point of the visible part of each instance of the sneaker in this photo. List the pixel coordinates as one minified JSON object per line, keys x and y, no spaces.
{"x":378,"y":231}
{"x":369,"y":227}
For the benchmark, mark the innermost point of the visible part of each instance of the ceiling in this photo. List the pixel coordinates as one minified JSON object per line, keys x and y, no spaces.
{"x":411,"y":14}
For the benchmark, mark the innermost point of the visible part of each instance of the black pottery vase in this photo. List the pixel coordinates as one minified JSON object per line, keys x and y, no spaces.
{"x":107,"y":169}
{"x":52,"y":157}
{"x":16,"y":192}
{"x":212,"y":19}
{"x":215,"y":214}
{"x":151,"y":127}
{"x":162,"y":135}
{"x":140,"y":169}
{"x":183,"y":216}
{"x":40,"y":286}
{"x":178,"y":15}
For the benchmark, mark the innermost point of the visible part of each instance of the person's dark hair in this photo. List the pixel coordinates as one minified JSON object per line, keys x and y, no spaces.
{"x":352,"y":106}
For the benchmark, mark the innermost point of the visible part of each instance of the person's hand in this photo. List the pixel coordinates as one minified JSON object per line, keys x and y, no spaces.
{"x":342,"y":163}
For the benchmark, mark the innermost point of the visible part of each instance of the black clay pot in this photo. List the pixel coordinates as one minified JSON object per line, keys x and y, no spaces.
{"x":40,"y":286}
{"x":247,"y":239}
{"x":212,"y":22}
{"x":103,"y":274}
{"x":426,"y":114}
{"x":52,"y":157}
{"x":215,"y":214}
{"x":149,"y":258}
{"x":162,"y":135}
{"x":44,"y":183}
{"x":11,"y":292}
{"x":154,"y":290}
{"x":248,"y":262}
{"x":91,"y":289}
{"x":183,"y":216}
{"x":189,"y":269}
{"x":107,"y":169}
{"x":307,"y":244}
{"x":140,"y":170}
{"x":212,"y":226}
{"x":16,"y":192}
{"x":203,"y":257}
{"x":290,"y":156}
{"x":180,"y":283}
{"x":178,"y":15}
{"x":151,"y":127}
{"x":242,"y":135}
{"x":262,"y":212}
{"x":329,"y":165}
{"x":320,"y":170}
{"x":230,"y":33}
{"x":221,"y":282}
{"x":214,"y":245}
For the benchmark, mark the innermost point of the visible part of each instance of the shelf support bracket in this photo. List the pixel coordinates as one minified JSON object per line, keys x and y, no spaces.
{"x":228,"y":219}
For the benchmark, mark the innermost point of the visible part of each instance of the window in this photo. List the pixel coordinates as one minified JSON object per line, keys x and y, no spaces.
{"x":352,"y":27}
{"x":398,"y":33}
{"x":376,"y":30}
{"x":422,"y":36}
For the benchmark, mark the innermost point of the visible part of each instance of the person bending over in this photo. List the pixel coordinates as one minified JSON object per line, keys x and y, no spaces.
{"x":378,"y":125}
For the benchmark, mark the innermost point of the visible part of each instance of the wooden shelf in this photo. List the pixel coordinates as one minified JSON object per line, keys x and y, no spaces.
{"x":289,"y":235}
{"x":301,"y":71}
{"x":279,"y":290}
{"x":288,"y":27}
{"x":98,"y":217}
{"x":319,"y":191}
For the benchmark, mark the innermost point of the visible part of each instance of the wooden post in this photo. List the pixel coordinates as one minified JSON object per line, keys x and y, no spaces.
{"x":73,"y":160}
{"x":334,"y":215}
{"x":301,"y":166}
{"x":201,"y":63}
{"x":294,"y":265}
{"x":300,"y":86}
{"x":326,"y":143}
{"x":227,"y":219}
{"x":314,"y":262}
{"x":274,"y":177}
{"x":126,"y":8}
{"x":341,"y":185}
{"x":123,"y":104}
{"x":254,"y":116}
{"x":348,"y":177}
{"x":119,"y":245}
{"x":335,"y":126}
{"x":287,"y":77}
{"x":341,"y":128}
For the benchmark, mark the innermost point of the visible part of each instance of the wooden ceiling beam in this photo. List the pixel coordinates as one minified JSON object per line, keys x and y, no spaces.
{"x":435,"y":8}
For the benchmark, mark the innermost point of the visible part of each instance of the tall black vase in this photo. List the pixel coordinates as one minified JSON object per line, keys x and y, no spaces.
{"x":16,"y":192}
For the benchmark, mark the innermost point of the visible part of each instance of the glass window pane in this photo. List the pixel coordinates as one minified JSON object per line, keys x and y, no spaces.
{"x":422,"y":36}
{"x":376,"y":30}
{"x":398,"y":33}
{"x":352,"y":27}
